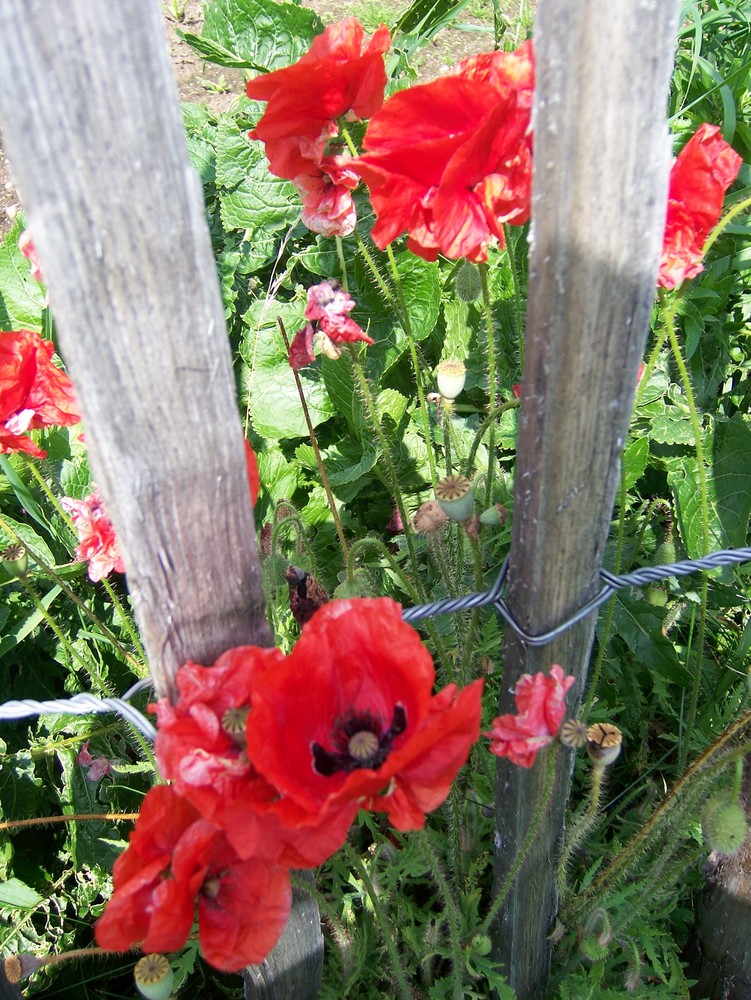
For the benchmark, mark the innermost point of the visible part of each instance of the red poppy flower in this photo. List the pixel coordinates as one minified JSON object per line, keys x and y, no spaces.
{"x":699,"y":179}
{"x":450,"y":161}
{"x":97,"y":543}
{"x":201,"y":744}
{"x":349,"y":716}
{"x":329,"y":326}
{"x":541,"y":702}
{"x":148,"y":905}
{"x":33,"y":391}
{"x":337,"y":76}
{"x":301,"y":349}
{"x":175,"y":859}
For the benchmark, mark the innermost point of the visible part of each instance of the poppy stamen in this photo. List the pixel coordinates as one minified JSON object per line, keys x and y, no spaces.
{"x":358,"y":740}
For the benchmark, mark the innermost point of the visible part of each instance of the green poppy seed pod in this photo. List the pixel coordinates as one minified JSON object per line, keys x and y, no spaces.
{"x":467,"y":282}
{"x":604,"y":743}
{"x":723,"y":824}
{"x":154,"y":979}
{"x":451,"y":376}
{"x":455,"y":497}
{"x":15,"y":561}
{"x":495,"y":516}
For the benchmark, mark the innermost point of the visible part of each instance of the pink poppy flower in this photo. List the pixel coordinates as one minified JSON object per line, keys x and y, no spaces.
{"x":97,"y":544}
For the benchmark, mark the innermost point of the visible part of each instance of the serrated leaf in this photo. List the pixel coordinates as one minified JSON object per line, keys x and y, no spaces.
{"x":90,"y":843}
{"x":274,"y":402}
{"x":391,"y":403}
{"x":635,"y":457}
{"x":21,"y":297}
{"x":254,"y":34}
{"x":279,"y":477}
{"x":640,"y":626}
{"x":458,"y":330}
{"x":262,"y":203}
{"x":340,"y":386}
{"x":673,"y":426}
{"x":235,"y":156}
{"x":348,"y":461}
{"x":203,"y":158}
{"x":19,"y":896}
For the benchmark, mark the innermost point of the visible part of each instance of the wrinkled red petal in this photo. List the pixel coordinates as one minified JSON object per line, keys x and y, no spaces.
{"x":301,"y":349}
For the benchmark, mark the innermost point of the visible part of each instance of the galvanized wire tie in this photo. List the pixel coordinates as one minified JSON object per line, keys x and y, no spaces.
{"x":85,"y":704}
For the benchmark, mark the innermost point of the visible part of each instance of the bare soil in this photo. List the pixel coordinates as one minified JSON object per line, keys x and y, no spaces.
{"x":218,"y":88}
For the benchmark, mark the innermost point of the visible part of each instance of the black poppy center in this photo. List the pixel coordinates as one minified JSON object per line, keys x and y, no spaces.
{"x":358,"y":739}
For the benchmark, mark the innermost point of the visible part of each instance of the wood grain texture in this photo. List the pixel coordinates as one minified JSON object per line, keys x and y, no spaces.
{"x":94,"y":132}
{"x":93,"y":129}
{"x":601,"y":164}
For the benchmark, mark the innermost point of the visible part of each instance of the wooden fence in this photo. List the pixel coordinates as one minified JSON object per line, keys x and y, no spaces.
{"x":94,"y":132}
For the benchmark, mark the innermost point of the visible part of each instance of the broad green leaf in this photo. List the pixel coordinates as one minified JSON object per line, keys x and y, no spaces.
{"x":635,"y":461}
{"x":235,"y":155}
{"x":279,"y":477}
{"x":21,"y":297}
{"x":262,"y":203}
{"x":729,"y":487}
{"x":421,"y":291}
{"x":316,"y":510}
{"x":458,"y":330}
{"x":393,"y":404}
{"x":203,"y":158}
{"x":19,"y":896}
{"x":274,"y":402}
{"x":30,"y":538}
{"x":340,"y":386}
{"x":348,"y":461}
{"x":90,"y":843}
{"x":254,"y":34}
{"x":673,"y":426}
{"x":640,"y":626}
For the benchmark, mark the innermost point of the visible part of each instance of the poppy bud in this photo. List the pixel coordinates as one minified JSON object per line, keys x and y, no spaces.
{"x":723,"y":824}
{"x":455,"y":497}
{"x":429,"y":518}
{"x":154,"y":979}
{"x":467,"y":282}
{"x":451,"y":376}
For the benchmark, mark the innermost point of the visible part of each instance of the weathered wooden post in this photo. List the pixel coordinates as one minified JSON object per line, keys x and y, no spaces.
{"x":93,"y":128}
{"x":601,"y":162}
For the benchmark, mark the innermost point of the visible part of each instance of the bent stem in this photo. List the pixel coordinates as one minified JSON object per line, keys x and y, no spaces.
{"x":491,"y":378}
{"x":534,"y":829}
{"x":319,"y":460}
{"x":583,"y":825}
{"x":669,"y":317}
{"x":385,"y":925}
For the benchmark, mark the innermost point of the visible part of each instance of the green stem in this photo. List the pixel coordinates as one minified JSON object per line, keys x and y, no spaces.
{"x":452,"y":912}
{"x":138,"y":667}
{"x":316,"y":451}
{"x":125,"y":619}
{"x":342,"y":262}
{"x":489,"y":421}
{"x":32,"y":467}
{"x":669,"y":315}
{"x":736,"y":210}
{"x":97,"y":681}
{"x":417,"y":368}
{"x":474,"y":620}
{"x":534,"y":829}
{"x":491,"y":378}
{"x":518,"y":298}
{"x":583,"y":824}
{"x":385,"y":925}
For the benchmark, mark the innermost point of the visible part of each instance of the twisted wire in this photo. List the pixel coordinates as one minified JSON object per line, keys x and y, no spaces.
{"x":85,"y":704}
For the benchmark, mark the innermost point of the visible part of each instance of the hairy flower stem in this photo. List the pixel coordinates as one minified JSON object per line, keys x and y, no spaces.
{"x":474,"y":619}
{"x":518,"y":298}
{"x":731,"y":214}
{"x":642,"y":838}
{"x":98,"y":682}
{"x":417,"y":368}
{"x":534,"y":829}
{"x":17,"y":824}
{"x":387,"y":928}
{"x":388,"y":461}
{"x":583,"y":825}
{"x":125,"y":619}
{"x":319,"y":460}
{"x":669,"y":316}
{"x":489,"y":421}
{"x":452,"y":911}
{"x":483,"y":269}
{"x":342,"y":262}
{"x":138,"y":667}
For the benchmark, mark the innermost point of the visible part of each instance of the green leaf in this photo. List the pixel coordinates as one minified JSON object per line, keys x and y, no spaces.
{"x":235,"y":156}
{"x":253,"y":34}
{"x":95,"y":842}
{"x":393,"y":404}
{"x":347,"y":461}
{"x":21,"y":297}
{"x":279,"y":478}
{"x":673,"y":426}
{"x":340,"y":386}
{"x":274,"y":403}
{"x":262,"y":203}
{"x":640,"y":626}
{"x":203,"y":158}
{"x":19,"y":896}
{"x":635,"y":457}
